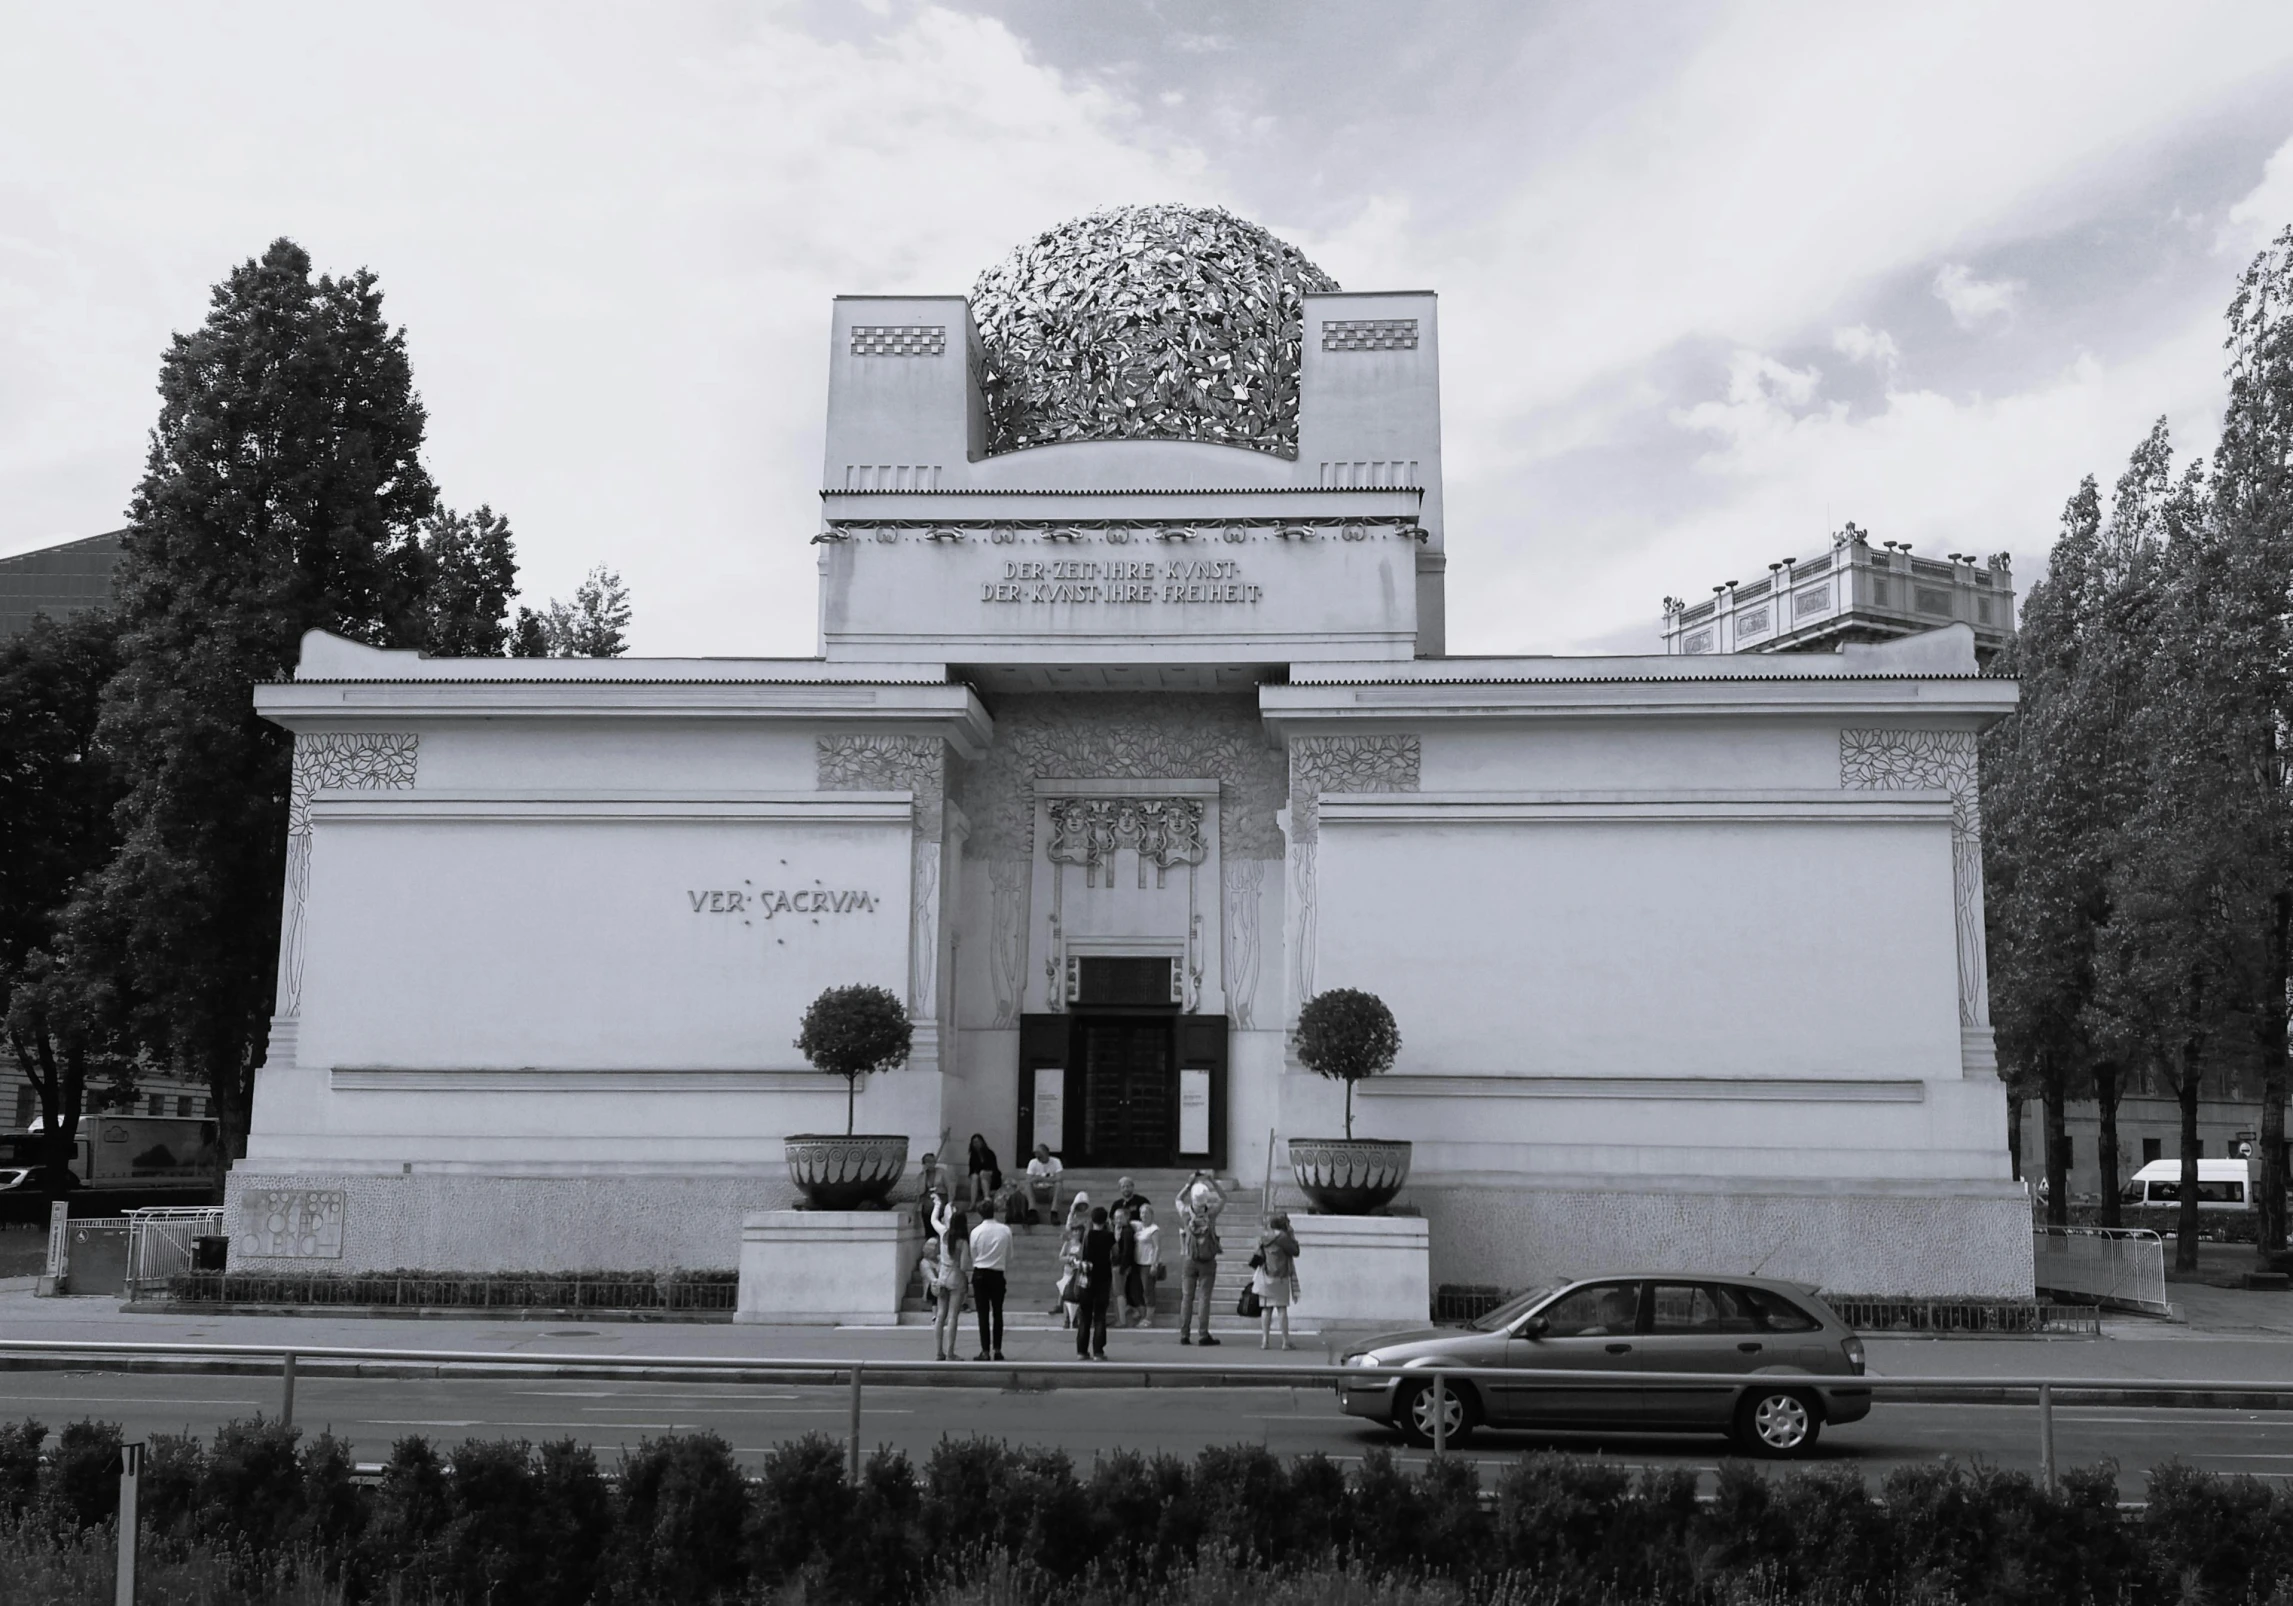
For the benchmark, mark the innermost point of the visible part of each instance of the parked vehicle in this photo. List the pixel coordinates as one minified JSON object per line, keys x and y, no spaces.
{"x":119,"y":1162}
{"x":2220,"y":1185}
{"x":1779,"y":1357}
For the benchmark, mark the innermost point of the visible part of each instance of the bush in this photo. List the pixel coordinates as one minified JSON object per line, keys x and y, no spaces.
{"x":576,"y":1515}
{"x":853,"y":1031}
{"x":803,"y":1515}
{"x":2215,"y":1538}
{"x":85,"y":1475}
{"x":20,"y":1466}
{"x":683,"y":1520}
{"x":167,"y":1494}
{"x":1346,"y":1034}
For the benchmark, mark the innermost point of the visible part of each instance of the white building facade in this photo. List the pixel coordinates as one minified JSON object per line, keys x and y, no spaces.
{"x":1113,"y":753}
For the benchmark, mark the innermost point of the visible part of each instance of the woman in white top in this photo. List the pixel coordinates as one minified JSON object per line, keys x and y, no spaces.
{"x":954,"y":1281}
{"x":1069,"y":1296}
{"x":1148,"y":1254}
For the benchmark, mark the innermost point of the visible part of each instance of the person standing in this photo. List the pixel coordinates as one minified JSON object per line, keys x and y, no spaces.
{"x":1200,"y":1247}
{"x":1148,"y":1253}
{"x":1127,"y":1198}
{"x":990,"y":1256}
{"x":1070,"y":1289}
{"x":954,"y":1283}
{"x":986,"y":1176}
{"x":1126,"y":1265}
{"x":1098,"y":1288}
{"x":1276,"y":1279}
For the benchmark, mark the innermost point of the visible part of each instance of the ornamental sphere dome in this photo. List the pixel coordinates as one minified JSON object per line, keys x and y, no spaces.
{"x":1145,"y":323}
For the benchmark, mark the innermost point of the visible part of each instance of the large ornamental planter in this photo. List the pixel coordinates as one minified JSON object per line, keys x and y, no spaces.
{"x":849,"y":1172}
{"x":1349,"y":1176}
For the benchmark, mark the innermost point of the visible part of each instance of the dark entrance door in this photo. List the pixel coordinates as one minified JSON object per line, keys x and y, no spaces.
{"x":1129,"y":1088}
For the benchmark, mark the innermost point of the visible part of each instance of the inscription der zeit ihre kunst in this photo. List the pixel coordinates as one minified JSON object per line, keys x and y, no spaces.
{"x":1119,"y":581}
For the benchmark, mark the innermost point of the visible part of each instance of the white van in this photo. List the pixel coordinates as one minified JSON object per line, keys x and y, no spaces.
{"x":2220,"y":1185}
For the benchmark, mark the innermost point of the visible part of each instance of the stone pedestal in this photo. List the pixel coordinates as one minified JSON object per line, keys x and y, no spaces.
{"x":825,"y":1267}
{"x":1362,"y":1271}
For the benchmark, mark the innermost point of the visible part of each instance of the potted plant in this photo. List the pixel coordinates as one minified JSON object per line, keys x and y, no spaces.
{"x":1347,"y":1035}
{"x":849,"y":1032}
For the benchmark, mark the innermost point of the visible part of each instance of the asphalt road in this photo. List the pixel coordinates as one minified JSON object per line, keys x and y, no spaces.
{"x":373,"y":1412}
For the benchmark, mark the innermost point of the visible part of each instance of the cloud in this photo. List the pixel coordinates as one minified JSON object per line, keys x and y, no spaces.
{"x":1862,"y":343}
{"x":2266,"y":210}
{"x":1974,"y":302}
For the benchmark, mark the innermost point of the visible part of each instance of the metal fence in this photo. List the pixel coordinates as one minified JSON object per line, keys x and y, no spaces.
{"x":160,"y":1239}
{"x":853,"y":1376}
{"x":2121,"y":1267}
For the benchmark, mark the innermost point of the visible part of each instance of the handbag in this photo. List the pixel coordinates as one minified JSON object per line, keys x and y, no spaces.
{"x":1258,"y":1260}
{"x":1248,"y":1304}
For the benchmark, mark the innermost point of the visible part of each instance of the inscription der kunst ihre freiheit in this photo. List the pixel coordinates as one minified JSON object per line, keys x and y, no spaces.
{"x":1120,"y":581}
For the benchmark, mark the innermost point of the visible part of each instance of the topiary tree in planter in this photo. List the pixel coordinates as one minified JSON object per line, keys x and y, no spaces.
{"x":1348,"y":1035}
{"x":851,"y":1032}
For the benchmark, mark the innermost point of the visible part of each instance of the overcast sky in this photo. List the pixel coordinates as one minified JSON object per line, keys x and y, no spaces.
{"x":1715,"y":279}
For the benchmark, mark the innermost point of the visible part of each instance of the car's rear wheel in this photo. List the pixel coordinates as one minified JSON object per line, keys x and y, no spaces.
{"x":1414,"y":1414}
{"x":1779,"y":1422}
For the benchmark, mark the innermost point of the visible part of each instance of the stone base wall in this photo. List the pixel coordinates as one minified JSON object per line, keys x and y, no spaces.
{"x":472,"y":1221}
{"x":1968,"y":1240}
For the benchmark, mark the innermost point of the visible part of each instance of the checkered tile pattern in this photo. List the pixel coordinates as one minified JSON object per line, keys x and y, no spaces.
{"x":899,"y":340}
{"x":1370,"y":334}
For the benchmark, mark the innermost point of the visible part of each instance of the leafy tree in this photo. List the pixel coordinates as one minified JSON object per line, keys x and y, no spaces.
{"x":471,"y":572}
{"x":283,"y":491}
{"x":1347,"y":1035}
{"x":852,"y":1031}
{"x":594,"y":624}
{"x":2185,"y":966}
{"x":2253,"y":508}
{"x":57,"y":791}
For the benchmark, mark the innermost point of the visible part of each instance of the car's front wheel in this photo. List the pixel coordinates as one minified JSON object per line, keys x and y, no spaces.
{"x":1415,"y":1414}
{"x":1779,"y":1422}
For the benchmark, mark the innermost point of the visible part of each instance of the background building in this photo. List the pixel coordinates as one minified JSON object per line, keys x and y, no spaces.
{"x":1856,"y":592}
{"x":70,"y":577}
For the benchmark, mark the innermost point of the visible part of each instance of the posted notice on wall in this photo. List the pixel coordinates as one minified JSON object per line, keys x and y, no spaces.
{"x":1051,"y":1106}
{"x":1194,"y":1112}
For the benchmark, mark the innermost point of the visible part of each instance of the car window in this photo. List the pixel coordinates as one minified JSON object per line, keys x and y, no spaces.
{"x":1776,"y":1314}
{"x":1737,"y":1313}
{"x":1597,"y":1310}
{"x":1512,"y":1310}
{"x":1684,"y":1308}
{"x":2221,"y":1193}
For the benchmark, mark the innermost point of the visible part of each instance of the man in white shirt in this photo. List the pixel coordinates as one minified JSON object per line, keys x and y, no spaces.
{"x":990,"y":1254}
{"x":1043,"y":1182}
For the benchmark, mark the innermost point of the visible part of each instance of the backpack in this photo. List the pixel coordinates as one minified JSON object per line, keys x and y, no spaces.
{"x":1202,"y":1242}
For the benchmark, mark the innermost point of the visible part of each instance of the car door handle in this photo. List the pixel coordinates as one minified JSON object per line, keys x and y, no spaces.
{"x":1749,"y":1349}
{"x":1618,"y":1349}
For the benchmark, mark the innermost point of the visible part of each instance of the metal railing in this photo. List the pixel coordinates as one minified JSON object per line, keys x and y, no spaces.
{"x":292,"y":1362}
{"x":2121,"y":1267}
{"x":159,"y":1241}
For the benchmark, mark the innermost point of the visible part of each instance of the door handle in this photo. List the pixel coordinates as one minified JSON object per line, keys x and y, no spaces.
{"x":1618,"y":1349}
{"x":1749,"y":1349}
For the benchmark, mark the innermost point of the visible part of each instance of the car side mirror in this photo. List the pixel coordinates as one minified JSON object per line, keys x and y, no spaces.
{"x":1535,"y":1327}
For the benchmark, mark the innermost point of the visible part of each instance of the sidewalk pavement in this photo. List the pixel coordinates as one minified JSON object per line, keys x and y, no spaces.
{"x":2249,"y":1337}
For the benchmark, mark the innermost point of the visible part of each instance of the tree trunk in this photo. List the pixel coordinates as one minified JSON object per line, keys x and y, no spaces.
{"x":2107,"y":1088}
{"x":2057,"y":1145}
{"x":2186,"y":1228}
{"x":1349,"y":1109}
{"x":2014,"y":1103}
{"x":2270,"y":1206}
{"x":61,"y":1086}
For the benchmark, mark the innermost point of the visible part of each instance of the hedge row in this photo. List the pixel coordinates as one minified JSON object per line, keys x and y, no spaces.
{"x":577,"y":1290}
{"x":502,"y":1523}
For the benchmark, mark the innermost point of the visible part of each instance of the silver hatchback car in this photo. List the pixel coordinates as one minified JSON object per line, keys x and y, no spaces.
{"x":1779,"y":1357}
